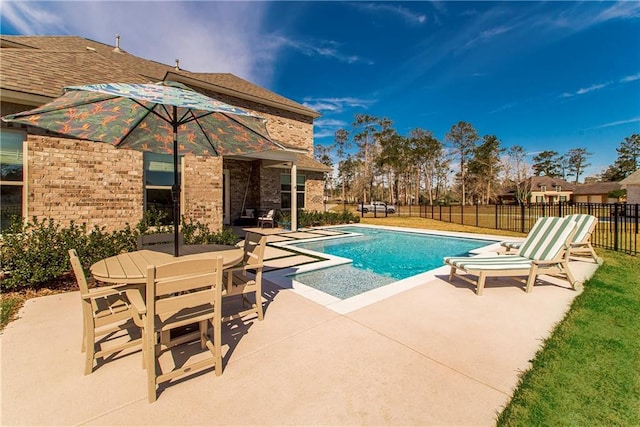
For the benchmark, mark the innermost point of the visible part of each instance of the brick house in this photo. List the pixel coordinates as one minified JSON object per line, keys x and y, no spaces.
{"x":596,"y":192}
{"x":49,"y":176}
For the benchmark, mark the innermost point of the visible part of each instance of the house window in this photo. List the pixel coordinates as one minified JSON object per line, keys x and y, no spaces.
{"x":285,"y":191}
{"x":539,"y":199}
{"x":158,"y":179}
{"x":12,"y":179}
{"x":543,"y":188}
{"x":562,"y":198}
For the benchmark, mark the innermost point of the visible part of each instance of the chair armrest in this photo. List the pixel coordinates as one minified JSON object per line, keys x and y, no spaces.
{"x":243,"y":268}
{"x":136,"y":300}
{"x":101,"y":292}
{"x":550,"y":262}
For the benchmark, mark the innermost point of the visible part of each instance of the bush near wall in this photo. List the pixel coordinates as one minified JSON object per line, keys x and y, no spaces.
{"x":32,"y":253}
{"x":316,"y":219}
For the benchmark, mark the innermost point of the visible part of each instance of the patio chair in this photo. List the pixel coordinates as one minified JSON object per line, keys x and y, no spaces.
{"x":267,"y":219}
{"x":146,"y":241}
{"x":178,"y":294}
{"x":239,"y":280}
{"x":544,"y":251}
{"x":105,"y":311}
{"x":581,"y":243}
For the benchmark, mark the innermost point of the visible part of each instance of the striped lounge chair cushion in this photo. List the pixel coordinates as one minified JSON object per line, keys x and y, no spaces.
{"x":584,"y":223}
{"x":548,"y":239}
{"x":503,"y":262}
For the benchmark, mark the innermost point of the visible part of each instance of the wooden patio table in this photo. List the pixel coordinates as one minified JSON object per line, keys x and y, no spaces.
{"x":131,"y":267}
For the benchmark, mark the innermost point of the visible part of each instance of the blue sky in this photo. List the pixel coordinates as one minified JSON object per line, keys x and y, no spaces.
{"x":544,"y":75}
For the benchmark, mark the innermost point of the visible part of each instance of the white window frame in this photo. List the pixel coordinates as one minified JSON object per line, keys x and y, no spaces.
{"x":23,"y":182}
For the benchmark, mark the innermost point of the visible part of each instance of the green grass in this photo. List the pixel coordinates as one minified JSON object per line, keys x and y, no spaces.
{"x":588,"y":372}
{"x":8,"y":309}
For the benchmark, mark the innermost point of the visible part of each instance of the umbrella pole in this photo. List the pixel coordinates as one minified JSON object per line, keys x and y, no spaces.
{"x":176,"y":185}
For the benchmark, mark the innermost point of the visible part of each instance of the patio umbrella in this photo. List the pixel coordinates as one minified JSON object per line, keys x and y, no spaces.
{"x":165,"y":117}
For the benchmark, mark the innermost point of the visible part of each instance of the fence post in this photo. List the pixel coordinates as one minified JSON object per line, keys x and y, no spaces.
{"x":522,"y":217}
{"x":496,"y":216}
{"x":559,"y":209}
{"x":440,"y":207}
{"x":615,"y":225}
{"x":449,"y":213}
{"x":477,"y":214}
{"x":461,"y":213}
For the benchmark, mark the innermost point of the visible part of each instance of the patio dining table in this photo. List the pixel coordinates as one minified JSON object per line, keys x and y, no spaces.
{"x":131,"y":267}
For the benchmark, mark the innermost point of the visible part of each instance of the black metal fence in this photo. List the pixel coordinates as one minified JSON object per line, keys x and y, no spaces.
{"x":617,"y":227}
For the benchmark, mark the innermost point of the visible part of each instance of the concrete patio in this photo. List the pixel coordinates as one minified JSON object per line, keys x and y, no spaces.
{"x":435,"y":354}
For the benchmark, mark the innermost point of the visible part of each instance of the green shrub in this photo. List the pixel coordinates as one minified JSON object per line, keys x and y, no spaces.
{"x":34,"y":253}
{"x":196,"y":233}
{"x":316,"y":219}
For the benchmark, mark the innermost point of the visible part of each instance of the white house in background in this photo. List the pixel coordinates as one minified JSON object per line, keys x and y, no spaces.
{"x":632,"y":184}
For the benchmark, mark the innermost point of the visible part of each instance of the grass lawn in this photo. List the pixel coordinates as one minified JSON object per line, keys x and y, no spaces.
{"x":588,"y":372}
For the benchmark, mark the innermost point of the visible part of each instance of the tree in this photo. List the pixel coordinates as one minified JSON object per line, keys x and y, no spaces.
{"x":342,"y":143}
{"x":547,"y":163}
{"x":367,"y":132}
{"x":484,"y":166}
{"x":323,"y":155}
{"x":628,"y":160}
{"x":463,"y":137}
{"x":577,"y":160}
{"x":517,"y":173}
{"x":428,"y":153}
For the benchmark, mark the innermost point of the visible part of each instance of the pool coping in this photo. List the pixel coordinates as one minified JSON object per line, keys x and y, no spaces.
{"x":281,"y":277}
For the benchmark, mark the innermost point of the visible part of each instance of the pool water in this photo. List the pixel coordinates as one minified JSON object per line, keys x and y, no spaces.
{"x":379,"y":257}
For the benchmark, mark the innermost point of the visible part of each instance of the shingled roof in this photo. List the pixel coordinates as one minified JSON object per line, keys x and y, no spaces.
{"x":58,"y":61}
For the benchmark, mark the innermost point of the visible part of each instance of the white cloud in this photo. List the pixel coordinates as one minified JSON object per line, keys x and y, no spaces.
{"x":618,"y":123}
{"x":389,"y":8}
{"x":327,"y":49}
{"x":586,"y":90}
{"x":205,"y":36}
{"x":336,"y":105}
{"x":631,"y":78}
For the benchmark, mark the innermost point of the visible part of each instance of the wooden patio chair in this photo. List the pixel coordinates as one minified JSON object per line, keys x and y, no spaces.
{"x":178,"y":294}
{"x":545,"y":251}
{"x":246,"y":278}
{"x":267,"y":219}
{"x":581,"y":243}
{"x":105,"y":311}
{"x":146,"y":241}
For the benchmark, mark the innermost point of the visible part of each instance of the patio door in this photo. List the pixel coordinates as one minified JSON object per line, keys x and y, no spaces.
{"x":226,"y":208}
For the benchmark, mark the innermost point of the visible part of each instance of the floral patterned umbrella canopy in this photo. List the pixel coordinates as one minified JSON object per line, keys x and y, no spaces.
{"x":165,"y":117}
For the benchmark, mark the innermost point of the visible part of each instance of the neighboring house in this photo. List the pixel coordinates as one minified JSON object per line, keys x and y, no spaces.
{"x":632,"y":185}
{"x":48,"y":176}
{"x":549,"y":190}
{"x":597,"y":192}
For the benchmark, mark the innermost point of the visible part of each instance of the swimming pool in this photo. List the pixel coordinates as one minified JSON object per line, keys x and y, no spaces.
{"x":364,"y":259}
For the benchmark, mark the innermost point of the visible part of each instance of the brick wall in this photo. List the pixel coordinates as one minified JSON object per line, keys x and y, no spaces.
{"x":283,"y":126}
{"x":202,"y":190}
{"x":314,"y":191}
{"x":83,"y":181}
{"x":242,"y":173}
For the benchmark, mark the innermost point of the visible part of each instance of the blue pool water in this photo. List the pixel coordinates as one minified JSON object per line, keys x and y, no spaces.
{"x":380,"y":257}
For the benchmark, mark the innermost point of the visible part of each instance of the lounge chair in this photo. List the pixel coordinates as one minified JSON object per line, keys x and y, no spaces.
{"x":267,"y":219}
{"x":544,"y":251}
{"x":178,"y":294}
{"x":581,"y":243}
{"x":239,"y":280}
{"x":105,"y":311}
